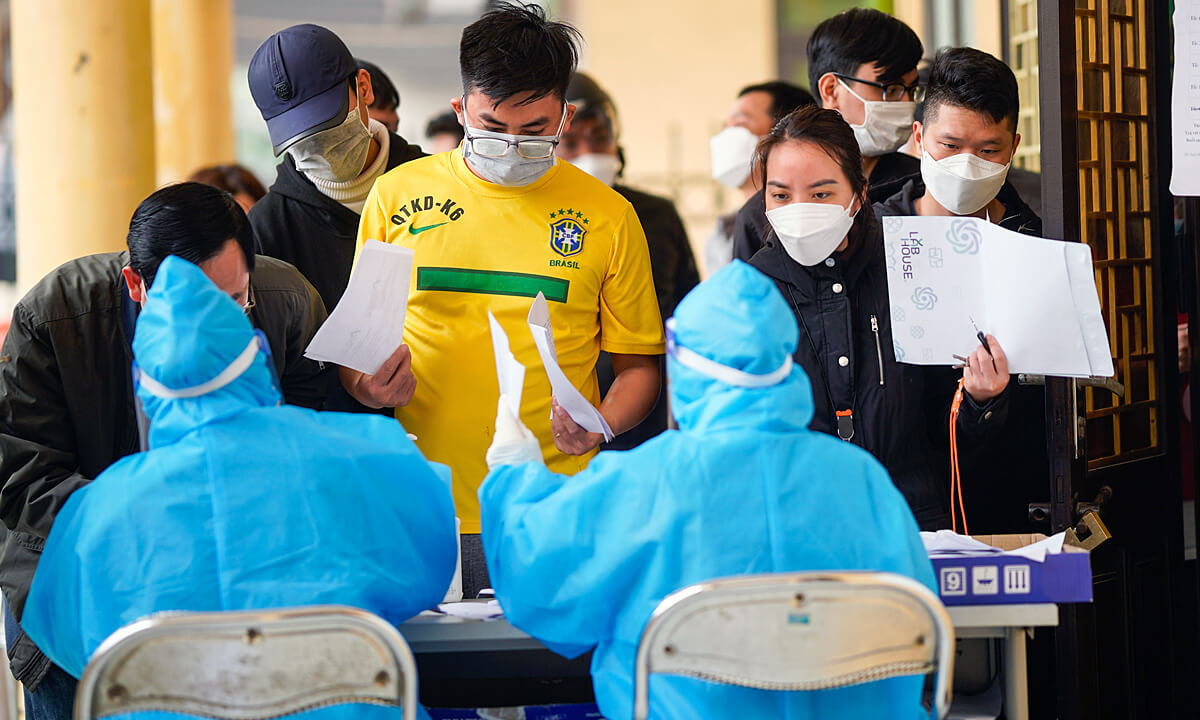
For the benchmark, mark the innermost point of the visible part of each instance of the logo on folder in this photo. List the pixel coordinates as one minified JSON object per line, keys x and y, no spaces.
{"x":567,"y":230}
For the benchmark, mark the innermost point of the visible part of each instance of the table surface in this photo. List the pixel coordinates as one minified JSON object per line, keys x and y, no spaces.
{"x":433,"y":632}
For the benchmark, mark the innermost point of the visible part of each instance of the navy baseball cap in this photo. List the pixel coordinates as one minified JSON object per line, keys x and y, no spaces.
{"x":298,"y":78}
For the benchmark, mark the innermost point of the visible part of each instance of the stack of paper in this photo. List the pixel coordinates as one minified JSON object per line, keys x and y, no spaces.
{"x":1037,"y":297}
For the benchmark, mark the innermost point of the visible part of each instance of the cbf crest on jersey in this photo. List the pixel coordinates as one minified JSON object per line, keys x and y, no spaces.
{"x":567,"y":231}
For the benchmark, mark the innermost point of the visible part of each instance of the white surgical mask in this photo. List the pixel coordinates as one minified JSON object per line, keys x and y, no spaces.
{"x":510,"y":169}
{"x":602,"y":167}
{"x":733,"y":155}
{"x":338,"y":154}
{"x":962,"y":183}
{"x":886,"y":125}
{"x":810,"y":232}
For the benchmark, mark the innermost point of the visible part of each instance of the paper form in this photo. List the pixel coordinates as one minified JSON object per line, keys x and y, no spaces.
{"x":367,"y":325}
{"x":1185,"y":101}
{"x":568,"y":396}
{"x":1038,"y":297}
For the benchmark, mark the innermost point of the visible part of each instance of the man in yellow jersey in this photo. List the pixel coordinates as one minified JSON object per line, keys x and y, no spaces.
{"x":492,"y":224}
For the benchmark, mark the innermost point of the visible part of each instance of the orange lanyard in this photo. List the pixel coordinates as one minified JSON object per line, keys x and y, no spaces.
{"x":955,"y":476}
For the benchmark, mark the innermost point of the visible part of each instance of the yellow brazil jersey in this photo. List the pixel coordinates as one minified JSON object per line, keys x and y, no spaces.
{"x":479,"y":247}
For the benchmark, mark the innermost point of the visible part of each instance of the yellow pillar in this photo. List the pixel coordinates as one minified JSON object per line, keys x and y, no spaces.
{"x":193,"y":60}
{"x":84,"y":132}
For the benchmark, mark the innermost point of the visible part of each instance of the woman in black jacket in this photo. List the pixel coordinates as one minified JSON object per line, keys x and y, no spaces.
{"x":825,"y":253}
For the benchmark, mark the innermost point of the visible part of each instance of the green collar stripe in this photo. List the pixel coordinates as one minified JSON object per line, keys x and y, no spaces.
{"x":491,"y":282}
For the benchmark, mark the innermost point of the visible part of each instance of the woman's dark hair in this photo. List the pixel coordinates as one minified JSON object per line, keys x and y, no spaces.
{"x":515,"y":49}
{"x":827,"y":130}
{"x":191,"y":220}
{"x":233,"y":179}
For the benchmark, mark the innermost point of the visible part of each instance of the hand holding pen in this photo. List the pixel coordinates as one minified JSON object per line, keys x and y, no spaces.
{"x":985,"y":371}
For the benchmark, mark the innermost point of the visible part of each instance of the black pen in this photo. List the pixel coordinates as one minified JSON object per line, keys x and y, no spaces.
{"x":979,"y":334}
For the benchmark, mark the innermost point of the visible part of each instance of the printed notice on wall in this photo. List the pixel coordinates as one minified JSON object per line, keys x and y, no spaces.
{"x":1185,"y":101}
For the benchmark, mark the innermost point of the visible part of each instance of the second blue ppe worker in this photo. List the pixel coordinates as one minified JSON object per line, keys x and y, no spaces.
{"x":238,"y":504}
{"x":742,"y":487}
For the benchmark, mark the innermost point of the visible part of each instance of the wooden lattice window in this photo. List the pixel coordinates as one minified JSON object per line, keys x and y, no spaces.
{"x":1023,"y":59}
{"x":1115,"y":160}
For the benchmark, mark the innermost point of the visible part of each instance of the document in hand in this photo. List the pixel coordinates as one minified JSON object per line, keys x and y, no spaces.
{"x":568,"y":396}
{"x":510,"y":373}
{"x":367,"y":325}
{"x":1037,"y":297}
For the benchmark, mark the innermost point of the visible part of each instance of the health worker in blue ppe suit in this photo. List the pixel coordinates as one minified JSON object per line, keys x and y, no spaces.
{"x":240,"y":503}
{"x":743,"y":486}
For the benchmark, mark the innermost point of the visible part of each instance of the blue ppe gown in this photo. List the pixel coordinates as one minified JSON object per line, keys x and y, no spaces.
{"x":239,"y":503}
{"x":741,"y":487}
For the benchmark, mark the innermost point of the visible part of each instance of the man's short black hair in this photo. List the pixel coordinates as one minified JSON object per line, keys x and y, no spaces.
{"x":972,"y":79}
{"x":785,"y":97}
{"x":386,"y":95}
{"x":446,"y":122}
{"x":862,"y":36}
{"x":515,"y":49}
{"x":191,"y":220}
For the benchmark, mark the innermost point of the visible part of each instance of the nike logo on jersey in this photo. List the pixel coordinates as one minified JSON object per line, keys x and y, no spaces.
{"x":414,"y":230}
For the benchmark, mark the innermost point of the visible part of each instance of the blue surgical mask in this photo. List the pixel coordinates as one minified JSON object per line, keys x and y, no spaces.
{"x":509,"y":167}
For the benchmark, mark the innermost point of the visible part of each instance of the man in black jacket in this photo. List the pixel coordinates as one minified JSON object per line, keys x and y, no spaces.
{"x":314,"y":99}
{"x":66,"y":392}
{"x":862,"y":63}
{"x":968,"y":135}
{"x":592,"y":144}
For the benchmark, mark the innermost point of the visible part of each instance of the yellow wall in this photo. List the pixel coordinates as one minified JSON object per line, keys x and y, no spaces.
{"x":674,"y":68}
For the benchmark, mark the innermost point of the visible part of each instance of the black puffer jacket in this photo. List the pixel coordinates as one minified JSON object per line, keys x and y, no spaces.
{"x":900,"y":412}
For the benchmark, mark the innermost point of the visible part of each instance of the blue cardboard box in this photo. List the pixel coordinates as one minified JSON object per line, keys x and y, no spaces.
{"x":1002,"y":579}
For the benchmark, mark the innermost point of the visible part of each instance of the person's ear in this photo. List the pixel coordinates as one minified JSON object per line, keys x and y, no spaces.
{"x":365,"y":89}
{"x":456,"y":104}
{"x":133,"y":283}
{"x":918,"y":135}
{"x":1016,"y":144}
{"x":570,"y":114}
{"x":827,"y":91}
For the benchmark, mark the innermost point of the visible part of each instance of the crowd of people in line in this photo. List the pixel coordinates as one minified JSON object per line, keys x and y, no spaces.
{"x":166,"y":445}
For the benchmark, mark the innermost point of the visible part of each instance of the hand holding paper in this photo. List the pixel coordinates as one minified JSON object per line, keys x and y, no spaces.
{"x":565,"y":394}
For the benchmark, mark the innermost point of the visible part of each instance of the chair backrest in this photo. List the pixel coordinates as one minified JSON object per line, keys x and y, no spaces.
{"x":247,"y":665}
{"x":798,"y":632}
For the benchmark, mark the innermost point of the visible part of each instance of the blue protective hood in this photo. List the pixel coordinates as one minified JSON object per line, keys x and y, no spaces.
{"x":737,"y":318}
{"x":188,"y":333}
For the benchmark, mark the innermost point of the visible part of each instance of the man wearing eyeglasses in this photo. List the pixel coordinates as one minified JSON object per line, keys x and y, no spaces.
{"x":492,"y":224}
{"x":863,"y":64}
{"x":66,"y":391}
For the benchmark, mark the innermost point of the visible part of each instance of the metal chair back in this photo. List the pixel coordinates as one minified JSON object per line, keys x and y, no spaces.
{"x":799,"y":632}
{"x":249,"y":665}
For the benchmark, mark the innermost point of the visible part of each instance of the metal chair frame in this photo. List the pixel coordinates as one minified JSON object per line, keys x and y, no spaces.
{"x":249,"y":665}
{"x":794,"y":616}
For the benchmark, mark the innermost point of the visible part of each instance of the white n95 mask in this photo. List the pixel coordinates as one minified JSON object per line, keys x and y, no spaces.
{"x":335,"y":155}
{"x":733,"y":156}
{"x":886,"y":125}
{"x":810,"y":232}
{"x":962,"y":183}
{"x":602,"y":167}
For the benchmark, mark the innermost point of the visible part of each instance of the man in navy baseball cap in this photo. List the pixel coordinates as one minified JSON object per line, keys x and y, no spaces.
{"x":314,"y":99}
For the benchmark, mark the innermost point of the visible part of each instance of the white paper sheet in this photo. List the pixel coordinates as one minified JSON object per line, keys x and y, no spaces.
{"x":489,"y":610}
{"x":367,"y":325}
{"x":1037,"y":296}
{"x":510,"y":374}
{"x":949,"y":543}
{"x":1185,"y":101}
{"x":568,"y":396}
